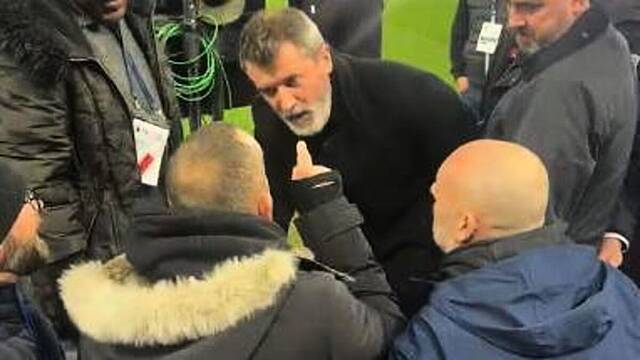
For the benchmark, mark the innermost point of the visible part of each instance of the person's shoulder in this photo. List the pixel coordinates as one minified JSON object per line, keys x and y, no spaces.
{"x":608,"y":52}
{"x":391,"y":85}
{"x":34,"y":47}
{"x":369,"y":69}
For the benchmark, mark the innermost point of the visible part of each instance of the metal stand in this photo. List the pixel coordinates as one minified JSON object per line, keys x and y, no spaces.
{"x":191,"y":46}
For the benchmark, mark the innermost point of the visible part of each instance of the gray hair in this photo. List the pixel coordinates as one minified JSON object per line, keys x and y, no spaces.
{"x":266,"y":30}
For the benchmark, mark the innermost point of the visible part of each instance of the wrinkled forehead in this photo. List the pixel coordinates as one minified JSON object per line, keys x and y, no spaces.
{"x":529,"y":2}
{"x":289,"y":61}
{"x":287,"y":57}
{"x":534,"y":4}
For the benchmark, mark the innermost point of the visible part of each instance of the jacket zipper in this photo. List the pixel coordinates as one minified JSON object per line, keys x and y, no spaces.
{"x":105,"y":74}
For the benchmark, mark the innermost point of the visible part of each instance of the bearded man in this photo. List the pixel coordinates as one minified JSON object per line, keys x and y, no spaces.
{"x":575,"y":106}
{"x":386,"y":127}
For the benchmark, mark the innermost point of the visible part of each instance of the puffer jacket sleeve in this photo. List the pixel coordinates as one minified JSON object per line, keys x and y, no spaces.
{"x":35,"y":139}
{"x":367,"y":316}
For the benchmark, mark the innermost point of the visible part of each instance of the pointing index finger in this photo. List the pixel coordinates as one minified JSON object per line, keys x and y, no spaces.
{"x":303,"y":158}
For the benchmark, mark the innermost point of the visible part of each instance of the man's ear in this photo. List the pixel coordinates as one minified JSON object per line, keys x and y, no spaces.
{"x":265,"y":206}
{"x":466,"y":229}
{"x":324,"y":55}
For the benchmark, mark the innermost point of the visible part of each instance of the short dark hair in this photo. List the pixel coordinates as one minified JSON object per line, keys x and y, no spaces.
{"x":218,"y":168}
{"x":266,"y":30}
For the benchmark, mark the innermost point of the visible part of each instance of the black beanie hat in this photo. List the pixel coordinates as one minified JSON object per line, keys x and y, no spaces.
{"x":12,"y":190}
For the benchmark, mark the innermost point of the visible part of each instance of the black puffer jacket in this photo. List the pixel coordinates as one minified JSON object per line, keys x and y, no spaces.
{"x":222,"y":286}
{"x":65,"y":124}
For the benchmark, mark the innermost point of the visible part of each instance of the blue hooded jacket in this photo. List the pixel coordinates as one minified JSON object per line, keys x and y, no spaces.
{"x":555,"y":302}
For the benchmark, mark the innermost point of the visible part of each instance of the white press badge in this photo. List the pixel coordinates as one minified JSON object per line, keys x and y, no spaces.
{"x":489,"y":38}
{"x":151,"y":141}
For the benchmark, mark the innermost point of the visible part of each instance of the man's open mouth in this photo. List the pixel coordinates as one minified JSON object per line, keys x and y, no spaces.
{"x":298,"y":117}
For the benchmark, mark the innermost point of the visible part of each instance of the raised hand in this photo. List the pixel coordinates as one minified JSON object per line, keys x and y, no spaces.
{"x":304,"y":165}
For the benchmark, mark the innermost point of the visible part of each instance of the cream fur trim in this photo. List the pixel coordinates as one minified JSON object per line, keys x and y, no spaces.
{"x":110,"y":304}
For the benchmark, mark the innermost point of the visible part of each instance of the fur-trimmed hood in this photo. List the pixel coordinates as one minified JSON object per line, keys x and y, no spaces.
{"x":112,"y":304}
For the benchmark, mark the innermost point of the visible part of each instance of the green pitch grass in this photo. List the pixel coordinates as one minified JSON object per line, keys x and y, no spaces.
{"x":415,"y":32}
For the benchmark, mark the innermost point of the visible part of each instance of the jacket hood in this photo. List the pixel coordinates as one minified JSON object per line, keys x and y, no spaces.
{"x":184,"y":276}
{"x":524,"y":306}
{"x":165,"y":245}
{"x":123,"y":308}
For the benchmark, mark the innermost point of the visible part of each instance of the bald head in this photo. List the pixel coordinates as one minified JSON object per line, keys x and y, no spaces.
{"x":219,"y":168}
{"x":488,"y":189}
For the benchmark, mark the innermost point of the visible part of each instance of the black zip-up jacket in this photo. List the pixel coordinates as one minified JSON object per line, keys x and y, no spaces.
{"x":66,"y":126}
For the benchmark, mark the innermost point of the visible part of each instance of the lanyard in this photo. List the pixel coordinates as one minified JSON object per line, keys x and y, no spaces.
{"x":494,"y":15}
{"x":139,"y":90}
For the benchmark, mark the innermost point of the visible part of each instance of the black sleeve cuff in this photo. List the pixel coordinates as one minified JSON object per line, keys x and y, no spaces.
{"x":307,"y":194}
{"x":457,"y":71}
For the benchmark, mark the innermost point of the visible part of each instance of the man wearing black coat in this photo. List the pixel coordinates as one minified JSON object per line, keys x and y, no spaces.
{"x":75,"y":75}
{"x":211,"y":276}
{"x":386,"y":127}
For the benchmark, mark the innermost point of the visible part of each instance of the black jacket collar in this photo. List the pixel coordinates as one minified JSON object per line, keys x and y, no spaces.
{"x":465,"y":259}
{"x":347,"y":88}
{"x":352,"y":88}
{"x":586,"y":29}
{"x":164,"y":245}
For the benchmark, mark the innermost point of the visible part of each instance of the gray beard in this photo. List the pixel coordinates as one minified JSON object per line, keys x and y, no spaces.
{"x":321,"y":112}
{"x":23,"y":260}
{"x":529,"y":50}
